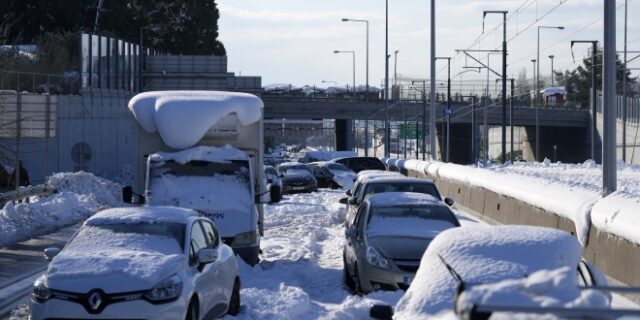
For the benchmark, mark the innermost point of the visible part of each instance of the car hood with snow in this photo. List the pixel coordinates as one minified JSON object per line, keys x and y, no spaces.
{"x":483,"y":255}
{"x":122,"y":250}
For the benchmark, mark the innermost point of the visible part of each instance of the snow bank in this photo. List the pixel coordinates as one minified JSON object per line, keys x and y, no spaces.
{"x":79,"y":196}
{"x":544,"y":288}
{"x":618,"y":214}
{"x":483,"y":254}
{"x":183,"y":117}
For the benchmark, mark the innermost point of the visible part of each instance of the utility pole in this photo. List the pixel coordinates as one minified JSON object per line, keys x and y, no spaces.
{"x":448,"y":110}
{"x":432,"y":112}
{"x":624,"y":88}
{"x":504,"y":79}
{"x":609,"y":106}
{"x":387,"y":127}
{"x":551,"y":57}
{"x":594,"y":93}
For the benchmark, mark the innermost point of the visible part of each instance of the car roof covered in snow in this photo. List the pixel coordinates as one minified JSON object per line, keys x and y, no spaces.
{"x":483,"y":254}
{"x":134,"y":215}
{"x":397,"y":179}
{"x":376,"y":173}
{"x":387,"y":199}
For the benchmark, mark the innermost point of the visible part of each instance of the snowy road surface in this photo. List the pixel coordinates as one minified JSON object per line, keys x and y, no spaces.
{"x":300,"y":274}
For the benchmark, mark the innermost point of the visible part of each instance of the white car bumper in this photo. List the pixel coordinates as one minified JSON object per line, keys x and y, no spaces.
{"x":135,"y":309}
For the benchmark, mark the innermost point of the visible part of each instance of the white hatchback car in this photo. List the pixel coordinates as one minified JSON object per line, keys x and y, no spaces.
{"x":140,"y":263}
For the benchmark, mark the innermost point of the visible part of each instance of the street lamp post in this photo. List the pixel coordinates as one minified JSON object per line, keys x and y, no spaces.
{"x":551,"y":57}
{"x":387,"y":127}
{"x":432,"y":112}
{"x":366,"y":122}
{"x":504,"y":81}
{"x":538,"y":88}
{"x":594,"y":94}
{"x":395,"y":67}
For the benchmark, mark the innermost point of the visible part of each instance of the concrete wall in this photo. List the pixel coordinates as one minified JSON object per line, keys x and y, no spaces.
{"x":616,"y":257}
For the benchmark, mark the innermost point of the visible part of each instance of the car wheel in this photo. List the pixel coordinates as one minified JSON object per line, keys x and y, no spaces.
{"x":356,"y":279}
{"x":234,"y":302}
{"x":192,"y":312}
{"x":346,"y":277}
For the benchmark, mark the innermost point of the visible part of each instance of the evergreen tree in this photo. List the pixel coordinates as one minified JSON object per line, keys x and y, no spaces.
{"x":577,"y":82}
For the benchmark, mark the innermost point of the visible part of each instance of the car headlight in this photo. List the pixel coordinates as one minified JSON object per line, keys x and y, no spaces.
{"x":167,"y":289}
{"x":41,"y":292}
{"x":375,"y":259}
{"x":244,"y":239}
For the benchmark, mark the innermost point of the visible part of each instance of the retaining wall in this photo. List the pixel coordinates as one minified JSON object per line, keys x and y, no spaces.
{"x":617,"y":257}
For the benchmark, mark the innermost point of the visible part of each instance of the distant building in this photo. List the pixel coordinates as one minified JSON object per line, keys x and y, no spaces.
{"x":553,"y":96}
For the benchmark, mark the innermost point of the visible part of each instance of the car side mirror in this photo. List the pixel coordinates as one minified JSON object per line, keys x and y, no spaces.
{"x":350,"y":232}
{"x":353,"y":200}
{"x":343,"y":200}
{"x":448,"y":201}
{"x":50,"y":253}
{"x":348,"y":192}
{"x":127,"y":194}
{"x":207,"y":255}
{"x":381,"y":312}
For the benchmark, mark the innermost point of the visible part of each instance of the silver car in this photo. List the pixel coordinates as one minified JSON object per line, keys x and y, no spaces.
{"x":387,"y":238}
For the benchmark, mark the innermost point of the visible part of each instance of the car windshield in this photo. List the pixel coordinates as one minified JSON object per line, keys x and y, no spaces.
{"x":417,"y":187}
{"x":338,"y":167}
{"x":423,"y":212}
{"x":165,"y":238}
{"x":201,"y":185}
{"x":289,"y":169}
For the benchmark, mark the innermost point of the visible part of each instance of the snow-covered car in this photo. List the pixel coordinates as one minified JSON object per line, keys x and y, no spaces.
{"x":383,"y":184}
{"x":462,"y":258}
{"x":296,"y":177}
{"x":332,"y":175}
{"x":388,"y":236}
{"x":140,"y":263}
{"x":358,"y":164}
{"x":274,"y":184}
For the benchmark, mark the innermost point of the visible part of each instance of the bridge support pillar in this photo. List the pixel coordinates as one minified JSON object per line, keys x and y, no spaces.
{"x":344,"y":135}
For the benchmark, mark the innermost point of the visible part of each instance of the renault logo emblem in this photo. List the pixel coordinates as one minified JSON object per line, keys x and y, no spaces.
{"x":95,"y":300}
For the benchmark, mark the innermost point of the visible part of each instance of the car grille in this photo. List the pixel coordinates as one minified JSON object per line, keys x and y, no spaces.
{"x":408,"y":265}
{"x":407,"y":268}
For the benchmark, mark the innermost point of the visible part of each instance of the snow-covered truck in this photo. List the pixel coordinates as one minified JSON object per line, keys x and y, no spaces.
{"x":203,"y":150}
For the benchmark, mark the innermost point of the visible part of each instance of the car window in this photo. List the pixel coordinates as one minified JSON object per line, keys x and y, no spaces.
{"x":211,"y":234}
{"x":338,"y":167}
{"x":359,"y":220}
{"x":198,"y":241}
{"x":424,"y":188}
{"x":428,"y":212}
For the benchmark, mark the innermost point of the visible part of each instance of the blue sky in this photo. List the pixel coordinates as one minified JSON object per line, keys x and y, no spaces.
{"x":292,"y":41}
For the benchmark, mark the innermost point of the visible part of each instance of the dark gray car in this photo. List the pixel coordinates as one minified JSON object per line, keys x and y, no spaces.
{"x":388,"y":237}
{"x":296,"y":177}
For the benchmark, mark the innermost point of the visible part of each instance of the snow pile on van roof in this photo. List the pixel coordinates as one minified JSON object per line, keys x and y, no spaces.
{"x":183,"y":117}
{"x":80,"y":195}
{"x":484,"y":254}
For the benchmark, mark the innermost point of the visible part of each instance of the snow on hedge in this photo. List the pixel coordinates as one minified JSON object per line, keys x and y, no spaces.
{"x":183,"y":117}
{"x":79,"y":196}
{"x":568,"y":190}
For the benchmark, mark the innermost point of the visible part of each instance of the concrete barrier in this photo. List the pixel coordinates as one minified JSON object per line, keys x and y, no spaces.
{"x":616,"y":257}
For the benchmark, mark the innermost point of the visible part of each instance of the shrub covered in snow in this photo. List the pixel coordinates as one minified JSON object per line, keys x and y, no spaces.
{"x":79,"y":196}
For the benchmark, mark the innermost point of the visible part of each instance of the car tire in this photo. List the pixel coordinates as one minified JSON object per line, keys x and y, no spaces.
{"x":192,"y":311}
{"x":348,"y":280}
{"x":356,"y":279}
{"x":234,"y":302}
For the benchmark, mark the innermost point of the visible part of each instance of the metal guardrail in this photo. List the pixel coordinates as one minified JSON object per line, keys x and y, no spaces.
{"x":23,"y":193}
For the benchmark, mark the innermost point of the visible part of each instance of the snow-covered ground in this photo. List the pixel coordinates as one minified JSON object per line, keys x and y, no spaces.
{"x":79,"y":196}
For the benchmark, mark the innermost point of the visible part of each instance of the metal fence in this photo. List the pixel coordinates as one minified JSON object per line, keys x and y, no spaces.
{"x":110,"y":63}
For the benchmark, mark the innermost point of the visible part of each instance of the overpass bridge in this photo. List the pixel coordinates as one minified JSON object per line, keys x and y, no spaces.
{"x":564,"y":132}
